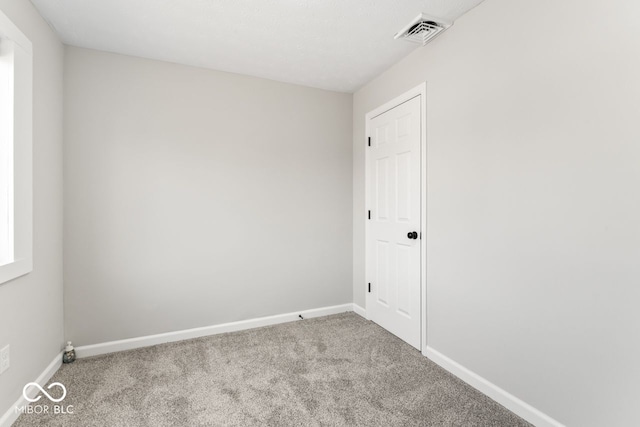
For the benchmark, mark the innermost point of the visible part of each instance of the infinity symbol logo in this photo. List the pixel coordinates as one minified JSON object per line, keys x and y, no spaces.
{"x":24,"y":392}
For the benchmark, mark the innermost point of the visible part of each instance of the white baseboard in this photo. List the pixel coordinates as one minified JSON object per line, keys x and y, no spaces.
{"x":12,"y":415}
{"x":509,"y":401}
{"x":359,"y":310}
{"x":517,"y":406}
{"x":149,"y":340}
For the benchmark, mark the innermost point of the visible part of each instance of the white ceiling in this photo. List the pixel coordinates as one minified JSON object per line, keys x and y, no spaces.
{"x":330,"y":44}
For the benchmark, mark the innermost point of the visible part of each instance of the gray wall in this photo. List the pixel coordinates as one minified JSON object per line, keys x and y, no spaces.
{"x":533,"y":207}
{"x":195,"y":197}
{"x":31,"y":306}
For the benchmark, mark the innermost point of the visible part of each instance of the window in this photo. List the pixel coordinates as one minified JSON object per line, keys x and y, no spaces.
{"x":6,"y":154}
{"x":15,"y":152}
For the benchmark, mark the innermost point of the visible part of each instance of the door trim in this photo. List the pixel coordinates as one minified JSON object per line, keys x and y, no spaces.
{"x":421,"y":91}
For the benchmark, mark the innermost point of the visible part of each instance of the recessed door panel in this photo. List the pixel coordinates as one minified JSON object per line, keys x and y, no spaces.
{"x":403,"y":186}
{"x":382,"y":189}
{"x":382,"y":276}
{"x":403,"y":279}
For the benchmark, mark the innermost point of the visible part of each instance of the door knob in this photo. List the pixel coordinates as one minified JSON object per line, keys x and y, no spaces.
{"x":413,"y":235}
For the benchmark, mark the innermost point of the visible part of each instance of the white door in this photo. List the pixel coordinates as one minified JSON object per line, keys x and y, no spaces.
{"x":393,"y":232}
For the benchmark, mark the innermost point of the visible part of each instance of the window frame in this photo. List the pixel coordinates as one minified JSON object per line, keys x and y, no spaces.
{"x":21,"y":104}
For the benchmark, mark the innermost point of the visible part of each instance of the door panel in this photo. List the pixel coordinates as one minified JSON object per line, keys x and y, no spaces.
{"x":382,"y":189}
{"x":393,"y":186}
{"x":382,"y":270}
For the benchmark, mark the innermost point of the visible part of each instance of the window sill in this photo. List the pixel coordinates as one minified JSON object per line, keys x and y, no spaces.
{"x":15,"y":269}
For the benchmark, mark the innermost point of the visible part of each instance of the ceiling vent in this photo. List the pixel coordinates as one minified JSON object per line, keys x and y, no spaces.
{"x":423,"y":29}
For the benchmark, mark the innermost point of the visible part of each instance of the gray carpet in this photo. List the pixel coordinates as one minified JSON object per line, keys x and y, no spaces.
{"x":330,"y":371}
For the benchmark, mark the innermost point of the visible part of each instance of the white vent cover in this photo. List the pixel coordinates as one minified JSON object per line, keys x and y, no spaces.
{"x":423,"y":29}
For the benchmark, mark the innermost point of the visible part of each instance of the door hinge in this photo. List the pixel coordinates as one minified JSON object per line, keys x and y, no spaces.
{"x":369,"y":142}
{"x":369,"y":287}
{"x":369,"y":215}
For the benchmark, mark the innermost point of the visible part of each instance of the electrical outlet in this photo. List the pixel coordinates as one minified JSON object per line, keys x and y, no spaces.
{"x":4,"y":359}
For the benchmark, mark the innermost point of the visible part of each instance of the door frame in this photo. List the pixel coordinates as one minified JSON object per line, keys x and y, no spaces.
{"x":421,"y":91}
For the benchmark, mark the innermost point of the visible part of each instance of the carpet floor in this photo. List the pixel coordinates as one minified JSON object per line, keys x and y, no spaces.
{"x":339,"y":370}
